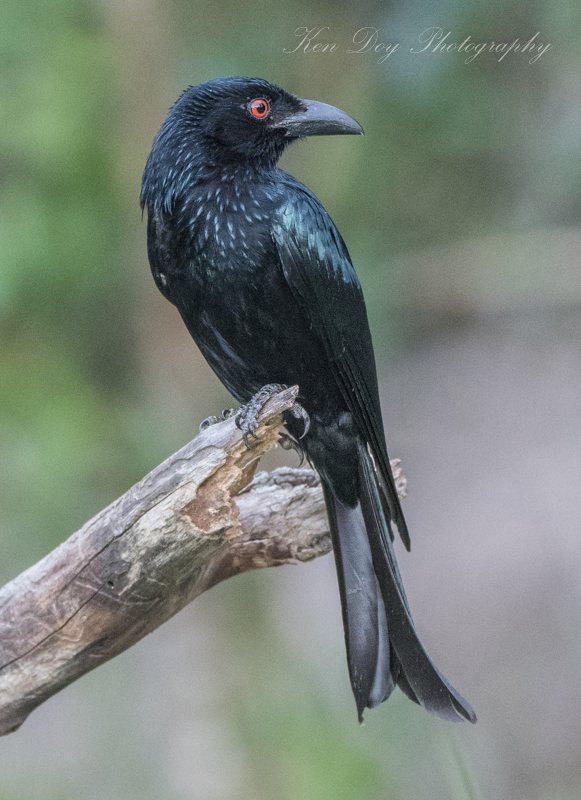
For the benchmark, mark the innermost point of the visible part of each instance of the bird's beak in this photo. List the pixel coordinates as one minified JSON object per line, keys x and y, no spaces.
{"x":318,"y":119}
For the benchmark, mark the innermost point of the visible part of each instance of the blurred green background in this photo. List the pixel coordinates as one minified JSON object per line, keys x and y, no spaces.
{"x":461,"y":211}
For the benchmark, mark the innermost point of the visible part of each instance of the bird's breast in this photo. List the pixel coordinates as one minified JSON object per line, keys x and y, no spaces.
{"x":229,"y":225}
{"x":236,"y":301}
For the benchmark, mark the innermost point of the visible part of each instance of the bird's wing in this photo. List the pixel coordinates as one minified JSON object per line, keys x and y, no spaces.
{"x":158,"y":250}
{"x":318,"y":269}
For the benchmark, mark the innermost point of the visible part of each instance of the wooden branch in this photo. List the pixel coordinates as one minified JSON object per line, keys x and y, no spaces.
{"x":194,"y":521}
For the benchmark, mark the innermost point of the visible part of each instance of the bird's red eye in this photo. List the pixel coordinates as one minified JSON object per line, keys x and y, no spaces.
{"x":259,"y":108}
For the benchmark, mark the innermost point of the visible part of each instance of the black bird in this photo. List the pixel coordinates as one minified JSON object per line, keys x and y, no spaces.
{"x":266,"y":287}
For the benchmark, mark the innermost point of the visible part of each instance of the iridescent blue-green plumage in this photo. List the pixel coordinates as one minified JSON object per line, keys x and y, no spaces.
{"x":266,"y":287}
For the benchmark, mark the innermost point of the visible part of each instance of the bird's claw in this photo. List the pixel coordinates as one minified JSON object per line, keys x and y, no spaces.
{"x":206,"y":423}
{"x":288,"y":442}
{"x":299,"y":412}
{"x":247,"y":415}
{"x":213,"y":419}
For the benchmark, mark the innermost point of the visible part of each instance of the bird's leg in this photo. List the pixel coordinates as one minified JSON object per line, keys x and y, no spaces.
{"x":247,"y":415}
{"x":212,"y":420}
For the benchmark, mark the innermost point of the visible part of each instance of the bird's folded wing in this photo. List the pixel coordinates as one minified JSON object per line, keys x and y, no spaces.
{"x":318,"y":269}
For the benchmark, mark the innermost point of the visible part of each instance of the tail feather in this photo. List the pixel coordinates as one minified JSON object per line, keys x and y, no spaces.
{"x":383,"y":648}
{"x":420,"y":676}
{"x":387,"y":668}
{"x":364,"y":618}
{"x":403,"y":684}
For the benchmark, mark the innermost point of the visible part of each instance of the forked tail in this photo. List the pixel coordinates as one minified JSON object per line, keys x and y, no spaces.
{"x":383,"y":648}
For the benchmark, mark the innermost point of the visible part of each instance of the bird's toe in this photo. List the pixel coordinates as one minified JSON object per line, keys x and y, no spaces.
{"x":299,"y":412}
{"x":247,"y":415}
{"x":206,"y":423}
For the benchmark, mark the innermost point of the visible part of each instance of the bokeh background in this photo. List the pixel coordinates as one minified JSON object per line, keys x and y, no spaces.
{"x":461,"y":211}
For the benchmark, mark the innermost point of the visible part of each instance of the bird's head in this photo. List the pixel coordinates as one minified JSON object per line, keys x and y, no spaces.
{"x":237,"y":122}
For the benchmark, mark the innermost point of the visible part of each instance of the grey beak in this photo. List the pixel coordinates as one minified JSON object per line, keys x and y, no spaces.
{"x":319,"y":119}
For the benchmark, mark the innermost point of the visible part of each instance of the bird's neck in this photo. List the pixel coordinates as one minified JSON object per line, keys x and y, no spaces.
{"x":223,"y":180}
{"x":237,"y":172}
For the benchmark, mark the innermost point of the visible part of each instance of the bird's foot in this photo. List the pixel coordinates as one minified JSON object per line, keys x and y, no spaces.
{"x":247,"y":416}
{"x":226,"y":414}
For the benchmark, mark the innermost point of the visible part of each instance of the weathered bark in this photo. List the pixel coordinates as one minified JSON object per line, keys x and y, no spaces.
{"x":197,"y":519}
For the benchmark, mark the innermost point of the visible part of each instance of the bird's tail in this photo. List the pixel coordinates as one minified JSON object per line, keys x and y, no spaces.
{"x":383,"y":648}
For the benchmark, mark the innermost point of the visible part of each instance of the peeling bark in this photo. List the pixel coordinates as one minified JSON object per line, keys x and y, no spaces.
{"x":197,"y":519}
{"x":194,"y":521}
